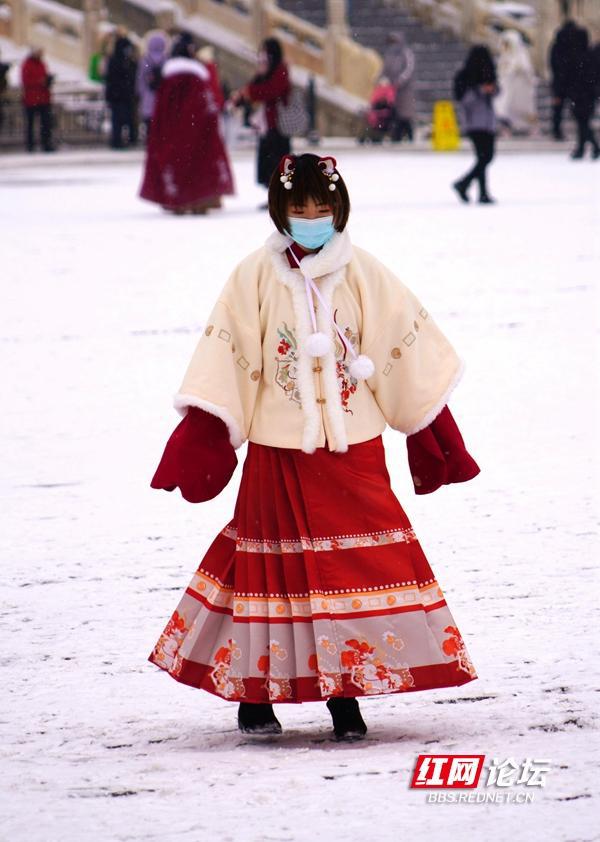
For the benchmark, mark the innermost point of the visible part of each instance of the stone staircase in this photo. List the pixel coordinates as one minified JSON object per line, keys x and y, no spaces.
{"x":438,"y":54}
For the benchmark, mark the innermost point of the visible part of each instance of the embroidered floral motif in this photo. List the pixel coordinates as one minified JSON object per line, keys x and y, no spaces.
{"x":177,"y":665}
{"x":348,"y":384}
{"x":287,"y":360}
{"x":278,"y":688}
{"x":330,"y":684}
{"x":167,"y":646}
{"x":369,"y":672}
{"x":455,"y":645}
{"x":226,"y":685}
{"x":329,"y":647}
{"x":392,"y":640}
{"x":277,"y":650}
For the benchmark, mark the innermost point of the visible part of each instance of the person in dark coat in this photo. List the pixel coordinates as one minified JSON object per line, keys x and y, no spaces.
{"x":120,"y":92}
{"x":4,"y":68}
{"x":562,"y":65}
{"x":582,"y":93}
{"x":475,"y":86}
{"x":37,"y":99}
{"x":269,"y":86}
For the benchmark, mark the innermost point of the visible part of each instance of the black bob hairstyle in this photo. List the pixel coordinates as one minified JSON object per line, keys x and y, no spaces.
{"x":308,"y":181}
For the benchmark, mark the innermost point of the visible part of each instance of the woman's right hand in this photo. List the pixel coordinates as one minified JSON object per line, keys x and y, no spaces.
{"x":198,"y":458}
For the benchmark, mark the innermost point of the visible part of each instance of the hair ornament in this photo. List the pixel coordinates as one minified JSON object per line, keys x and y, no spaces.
{"x":328,"y":165}
{"x":286,"y":168}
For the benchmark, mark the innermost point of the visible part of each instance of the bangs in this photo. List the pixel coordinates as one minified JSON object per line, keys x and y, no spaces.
{"x":308,"y":182}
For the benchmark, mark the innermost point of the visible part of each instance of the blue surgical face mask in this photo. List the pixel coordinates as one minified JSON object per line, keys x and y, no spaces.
{"x":311,"y":233}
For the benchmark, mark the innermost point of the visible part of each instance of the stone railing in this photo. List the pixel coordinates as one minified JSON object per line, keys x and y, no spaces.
{"x":326,"y":52}
{"x":484,"y":20}
{"x":80,"y":119}
{"x":66,"y":33}
{"x":71,"y":34}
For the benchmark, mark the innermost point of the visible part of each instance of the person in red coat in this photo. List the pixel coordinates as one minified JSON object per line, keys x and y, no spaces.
{"x":36,"y":82}
{"x":269,"y":87}
{"x":187,"y":168}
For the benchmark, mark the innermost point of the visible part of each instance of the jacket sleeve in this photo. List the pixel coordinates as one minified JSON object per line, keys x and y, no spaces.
{"x":198,"y":458}
{"x":416,"y":367}
{"x":224,"y":373}
{"x":437,"y":455}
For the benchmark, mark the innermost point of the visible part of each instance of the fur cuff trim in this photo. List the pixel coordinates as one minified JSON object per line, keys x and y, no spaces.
{"x":181,"y":403}
{"x":435,"y":411}
{"x":335,"y":254}
{"x":184,"y":65}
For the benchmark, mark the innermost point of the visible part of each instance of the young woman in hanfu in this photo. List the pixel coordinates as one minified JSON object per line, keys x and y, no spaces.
{"x":317,"y":589}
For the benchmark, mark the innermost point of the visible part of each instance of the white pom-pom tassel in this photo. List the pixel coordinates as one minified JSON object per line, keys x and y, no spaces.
{"x":317,"y":344}
{"x":362,"y":367}
{"x":288,"y":185}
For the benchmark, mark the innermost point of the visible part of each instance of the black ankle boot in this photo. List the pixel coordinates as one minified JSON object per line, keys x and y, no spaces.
{"x":485,"y":199}
{"x":461,"y":188}
{"x":257,"y":719}
{"x":348,"y":723}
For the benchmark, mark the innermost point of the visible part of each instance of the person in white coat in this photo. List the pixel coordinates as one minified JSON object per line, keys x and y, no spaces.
{"x":515,"y":105}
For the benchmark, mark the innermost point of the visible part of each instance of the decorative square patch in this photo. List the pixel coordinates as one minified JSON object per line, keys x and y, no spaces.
{"x":387,"y":369}
{"x":409,"y":338}
{"x":423,"y":313}
{"x":224,"y":335}
{"x":243,"y":363}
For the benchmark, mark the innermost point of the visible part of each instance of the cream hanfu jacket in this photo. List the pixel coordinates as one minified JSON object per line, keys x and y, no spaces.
{"x":250,"y":367}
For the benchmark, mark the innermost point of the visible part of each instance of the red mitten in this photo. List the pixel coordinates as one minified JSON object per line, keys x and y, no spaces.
{"x":461,"y":465}
{"x":437,"y":455}
{"x":198,"y":458}
{"x":426,"y":461}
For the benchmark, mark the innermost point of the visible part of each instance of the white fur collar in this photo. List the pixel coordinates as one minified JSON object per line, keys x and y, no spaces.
{"x":184,"y":65}
{"x":335,"y":254}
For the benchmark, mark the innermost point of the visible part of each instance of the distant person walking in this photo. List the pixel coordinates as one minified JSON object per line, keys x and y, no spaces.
{"x":187,"y":169}
{"x":399,"y":68}
{"x":37,"y":99}
{"x":120,"y":93}
{"x":515,"y":104}
{"x":475,"y":87}
{"x":269,"y":87}
{"x":582,"y":93}
{"x":149,"y":74}
{"x":562,"y":66}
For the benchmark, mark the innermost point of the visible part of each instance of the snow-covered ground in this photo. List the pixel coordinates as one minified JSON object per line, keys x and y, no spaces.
{"x":103,"y":298}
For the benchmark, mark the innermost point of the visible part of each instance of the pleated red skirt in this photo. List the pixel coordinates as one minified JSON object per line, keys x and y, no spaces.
{"x":317,"y":587}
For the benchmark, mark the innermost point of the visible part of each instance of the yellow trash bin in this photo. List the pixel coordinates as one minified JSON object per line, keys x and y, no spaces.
{"x":446,"y":136}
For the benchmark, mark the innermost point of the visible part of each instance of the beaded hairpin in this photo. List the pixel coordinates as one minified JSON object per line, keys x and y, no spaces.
{"x":326,"y":165}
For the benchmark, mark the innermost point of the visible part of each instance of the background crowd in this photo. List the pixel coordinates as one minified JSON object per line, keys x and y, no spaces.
{"x":492,"y":97}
